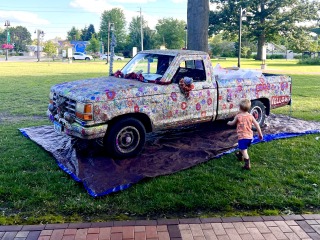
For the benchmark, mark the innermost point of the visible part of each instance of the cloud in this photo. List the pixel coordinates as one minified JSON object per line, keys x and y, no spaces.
{"x":22,"y":18}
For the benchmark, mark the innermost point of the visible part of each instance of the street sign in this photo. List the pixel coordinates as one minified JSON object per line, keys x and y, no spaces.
{"x":8,"y":36}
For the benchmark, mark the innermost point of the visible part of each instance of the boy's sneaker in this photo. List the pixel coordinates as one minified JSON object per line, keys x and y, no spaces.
{"x":239,"y":156}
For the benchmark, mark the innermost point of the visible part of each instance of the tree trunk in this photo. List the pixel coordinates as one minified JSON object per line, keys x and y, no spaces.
{"x":261,"y":42}
{"x":262,"y":35}
{"x":198,"y":24}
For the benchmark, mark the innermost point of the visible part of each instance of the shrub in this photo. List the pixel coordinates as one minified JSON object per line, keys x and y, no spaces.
{"x":309,"y":61}
{"x":276,"y":56}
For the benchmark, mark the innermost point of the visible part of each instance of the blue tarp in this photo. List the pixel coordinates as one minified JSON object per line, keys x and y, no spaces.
{"x":164,"y":153}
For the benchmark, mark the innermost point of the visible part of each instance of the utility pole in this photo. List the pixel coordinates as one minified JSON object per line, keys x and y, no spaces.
{"x":7,"y":25}
{"x":243,"y":16}
{"x":141,"y":29}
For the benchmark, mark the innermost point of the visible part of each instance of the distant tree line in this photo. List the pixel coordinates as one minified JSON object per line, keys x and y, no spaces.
{"x":169,"y":32}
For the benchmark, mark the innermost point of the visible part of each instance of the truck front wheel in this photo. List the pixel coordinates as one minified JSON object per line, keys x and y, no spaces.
{"x":258,"y":110}
{"x":126,"y":138}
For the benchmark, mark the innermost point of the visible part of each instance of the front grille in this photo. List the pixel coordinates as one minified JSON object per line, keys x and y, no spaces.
{"x":64,"y":104}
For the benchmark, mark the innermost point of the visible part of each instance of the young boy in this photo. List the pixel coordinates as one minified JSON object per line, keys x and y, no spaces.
{"x":244,"y":121}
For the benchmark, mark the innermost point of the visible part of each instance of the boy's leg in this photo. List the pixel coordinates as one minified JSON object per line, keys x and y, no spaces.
{"x":245,"y":153}
{"x":247,"y":165}
{"x":239,"y":155}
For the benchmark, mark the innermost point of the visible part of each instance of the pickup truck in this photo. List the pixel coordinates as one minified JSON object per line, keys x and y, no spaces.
{"x":146,"y":95}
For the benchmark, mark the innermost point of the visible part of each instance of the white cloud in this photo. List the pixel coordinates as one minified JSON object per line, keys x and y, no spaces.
{"x":22,"y":18}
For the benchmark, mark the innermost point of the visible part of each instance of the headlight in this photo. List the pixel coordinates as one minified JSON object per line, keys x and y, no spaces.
{"x":51,"y":95}
{"x":84,"y":111}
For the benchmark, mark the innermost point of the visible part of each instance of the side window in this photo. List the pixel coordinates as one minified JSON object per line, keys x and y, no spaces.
{"x":190,"y":68}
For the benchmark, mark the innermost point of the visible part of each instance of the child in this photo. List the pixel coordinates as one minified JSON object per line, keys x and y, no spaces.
{"x":244,"y":121}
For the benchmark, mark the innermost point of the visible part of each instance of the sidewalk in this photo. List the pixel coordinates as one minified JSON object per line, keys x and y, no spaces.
{"x":232,"y":228}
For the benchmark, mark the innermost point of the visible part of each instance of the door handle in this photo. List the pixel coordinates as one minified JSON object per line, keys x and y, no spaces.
{"x":205,"y":86}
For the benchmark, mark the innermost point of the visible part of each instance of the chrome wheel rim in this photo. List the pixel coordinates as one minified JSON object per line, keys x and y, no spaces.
{"x":127,"y":139}
{"x":257,"y":113}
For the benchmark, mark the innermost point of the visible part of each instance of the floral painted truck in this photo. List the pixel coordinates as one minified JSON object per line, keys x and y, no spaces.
{"x":156,"y":90}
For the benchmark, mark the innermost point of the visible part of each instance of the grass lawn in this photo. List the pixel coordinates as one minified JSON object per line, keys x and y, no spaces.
{"x":33,"y":189}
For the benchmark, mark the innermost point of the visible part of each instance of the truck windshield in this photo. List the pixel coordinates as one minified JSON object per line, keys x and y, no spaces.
{"x":151,"y":66}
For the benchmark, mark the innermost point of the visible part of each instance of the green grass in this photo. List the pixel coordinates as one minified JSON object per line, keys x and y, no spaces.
{"x":33,"y":189}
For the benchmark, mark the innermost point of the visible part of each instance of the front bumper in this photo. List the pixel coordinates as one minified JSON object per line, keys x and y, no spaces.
{"x":77,"y":130}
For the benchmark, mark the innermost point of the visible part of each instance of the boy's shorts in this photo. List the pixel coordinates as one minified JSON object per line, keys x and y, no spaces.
{"x":244,"y":143}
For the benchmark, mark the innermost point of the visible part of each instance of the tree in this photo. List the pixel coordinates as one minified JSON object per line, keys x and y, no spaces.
{"x":134,"y":37}
{"x":270,"y":18}
{"x":20,"y":37}
{"x":50,"y":49}
{"x":73,"y":34}
{"x":171,"y":33}
{"x":93,"y":45}
{"x":198,"y":23}
{"x":115,"y":16}
{"x":90,"y":32}
{"x":220,"y":47}
{"x":87,"y":32}
{"x":84,"y":34}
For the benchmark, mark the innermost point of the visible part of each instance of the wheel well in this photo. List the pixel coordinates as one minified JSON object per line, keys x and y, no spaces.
{"x":143,"y":118}
{"x":265,"y":102}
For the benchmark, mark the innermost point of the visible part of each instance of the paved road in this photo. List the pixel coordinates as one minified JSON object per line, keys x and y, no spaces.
{"x":233,"y":228}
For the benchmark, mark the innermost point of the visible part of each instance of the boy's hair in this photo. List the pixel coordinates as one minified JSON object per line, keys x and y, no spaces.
{"x":245,"y":105}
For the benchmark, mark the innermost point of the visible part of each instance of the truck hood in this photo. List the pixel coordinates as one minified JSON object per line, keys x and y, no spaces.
{"x":106,"y":88}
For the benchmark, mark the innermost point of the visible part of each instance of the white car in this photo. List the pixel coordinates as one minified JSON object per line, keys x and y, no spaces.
{"x":81,"y":56}
{"x":118,"y":58}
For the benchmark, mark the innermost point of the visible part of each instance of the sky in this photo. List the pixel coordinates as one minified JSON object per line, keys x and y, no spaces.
{"x":56,"y":17}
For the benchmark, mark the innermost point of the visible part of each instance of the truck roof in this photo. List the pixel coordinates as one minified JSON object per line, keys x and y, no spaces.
{"x":174,"y":52}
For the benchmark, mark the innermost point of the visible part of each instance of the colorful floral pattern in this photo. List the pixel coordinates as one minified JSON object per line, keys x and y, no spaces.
{"x":165,"y":104}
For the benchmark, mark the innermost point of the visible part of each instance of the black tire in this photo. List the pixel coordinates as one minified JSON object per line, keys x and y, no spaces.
{"x":87,"y":59}
{"x":125,"y":139}
{"x":119,"y":59}
{"x":73,"y":59}
{"x":258,"y":110}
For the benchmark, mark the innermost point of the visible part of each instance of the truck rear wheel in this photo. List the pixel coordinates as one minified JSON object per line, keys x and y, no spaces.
{"x":126,"y":138}
{"x":258,"y":110}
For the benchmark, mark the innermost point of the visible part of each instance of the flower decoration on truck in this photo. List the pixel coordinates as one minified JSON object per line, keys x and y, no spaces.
{"x":186,"y":86}
{"x":118,"y":74}
{"x":134,"y":75}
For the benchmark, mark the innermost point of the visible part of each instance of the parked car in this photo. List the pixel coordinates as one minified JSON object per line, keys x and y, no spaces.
{"x":118,"y":58}
{"x":156,"y":90}
{"x":81,"y":56}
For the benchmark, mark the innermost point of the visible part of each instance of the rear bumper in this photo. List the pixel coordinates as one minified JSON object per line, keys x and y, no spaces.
{"x":77,"y":130}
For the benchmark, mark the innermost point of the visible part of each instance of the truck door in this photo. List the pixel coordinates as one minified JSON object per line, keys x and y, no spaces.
{"x":201,"y":104}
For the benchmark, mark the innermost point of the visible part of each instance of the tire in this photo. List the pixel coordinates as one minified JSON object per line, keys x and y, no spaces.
{"x":87,"y":59}
{"x":73,"y":59}
{"x":125,"y":139}
{"x":258,"y":110}
{"x":119,"y":59}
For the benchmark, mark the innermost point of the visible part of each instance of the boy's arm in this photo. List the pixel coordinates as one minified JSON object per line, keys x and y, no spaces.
{"x":256,"y":124}
{"x":233,"y":122}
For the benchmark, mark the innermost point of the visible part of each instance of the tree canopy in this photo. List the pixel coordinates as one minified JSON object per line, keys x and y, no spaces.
{"x":117,"y":17}
{"x":269,"y":19}
{"x":19,"y":36}
{"x":94,"y":45}
{"x":73,"y":34}
{"x":171,"y":33}
{"x":50,"y":48}
{"x":134,"y":36}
